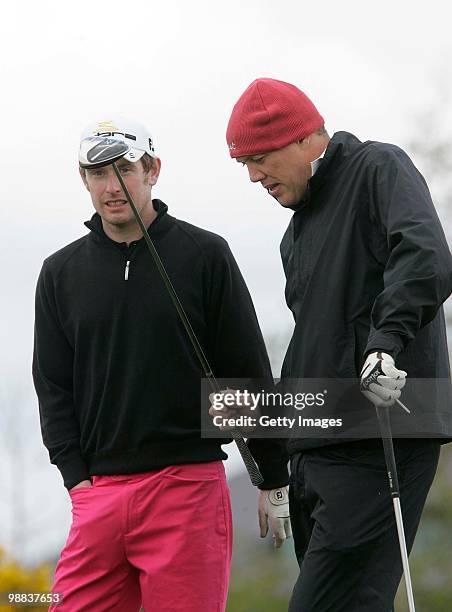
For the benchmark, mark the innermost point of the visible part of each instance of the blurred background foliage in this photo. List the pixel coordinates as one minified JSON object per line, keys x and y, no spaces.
{"x":18,"y":578}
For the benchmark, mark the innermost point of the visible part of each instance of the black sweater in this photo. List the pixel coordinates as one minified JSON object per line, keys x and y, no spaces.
{"x":117,"y":379}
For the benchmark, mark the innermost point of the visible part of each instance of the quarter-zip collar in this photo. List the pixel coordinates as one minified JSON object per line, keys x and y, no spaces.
{"x":339,"y":146}
{"x":159,"y":225}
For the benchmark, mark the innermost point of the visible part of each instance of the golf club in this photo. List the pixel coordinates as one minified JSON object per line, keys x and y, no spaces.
{"x":388,"y":447}
{"x":98,"y":151}
{"x":384,"y":422}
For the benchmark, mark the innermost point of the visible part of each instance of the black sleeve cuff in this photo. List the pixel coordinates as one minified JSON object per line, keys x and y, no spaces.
{"x":275,"y":474}
{"x":73,"y":470}
{"x":385,"y":342}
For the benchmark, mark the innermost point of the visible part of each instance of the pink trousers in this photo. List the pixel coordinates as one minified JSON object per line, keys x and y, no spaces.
{"x":160,"y":539}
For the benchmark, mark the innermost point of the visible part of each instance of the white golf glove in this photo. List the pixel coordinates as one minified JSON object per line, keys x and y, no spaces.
{"x":274,"y":508}
{"x":381,"y":381}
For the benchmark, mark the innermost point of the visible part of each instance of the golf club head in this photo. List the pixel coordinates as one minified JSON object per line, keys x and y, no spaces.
{"x":98,"y":151}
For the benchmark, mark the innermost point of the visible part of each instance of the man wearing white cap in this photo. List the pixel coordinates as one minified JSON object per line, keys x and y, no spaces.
{"x":367,"y":268}
{"x":119,"y":394}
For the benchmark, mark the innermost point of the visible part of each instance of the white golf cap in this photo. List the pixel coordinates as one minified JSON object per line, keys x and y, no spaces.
{"x":134,"y":134}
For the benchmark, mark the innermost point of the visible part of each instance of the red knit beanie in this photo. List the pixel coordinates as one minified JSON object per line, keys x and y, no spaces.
{"x":269,"y":115}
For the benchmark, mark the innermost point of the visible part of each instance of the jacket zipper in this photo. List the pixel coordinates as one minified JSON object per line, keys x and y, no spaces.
{"x":126,"y":271}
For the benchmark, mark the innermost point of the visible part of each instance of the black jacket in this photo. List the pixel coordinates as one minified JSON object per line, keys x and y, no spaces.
{"x":367,"y":267}
{"x":117,"y":380}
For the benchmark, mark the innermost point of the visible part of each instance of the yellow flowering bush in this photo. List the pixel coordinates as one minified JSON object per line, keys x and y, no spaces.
{"x":17,"y":578}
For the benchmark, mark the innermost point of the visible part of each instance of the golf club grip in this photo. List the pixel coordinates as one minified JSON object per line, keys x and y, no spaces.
{"x":388,"y":448}
{"x":247,"y":457}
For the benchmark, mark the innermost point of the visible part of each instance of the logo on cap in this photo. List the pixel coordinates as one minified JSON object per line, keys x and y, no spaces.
{"x":232,"y":146}
{"x":107,"y":126}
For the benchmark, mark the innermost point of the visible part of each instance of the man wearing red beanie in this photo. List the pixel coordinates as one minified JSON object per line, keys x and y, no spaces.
{"x":367,"y":268}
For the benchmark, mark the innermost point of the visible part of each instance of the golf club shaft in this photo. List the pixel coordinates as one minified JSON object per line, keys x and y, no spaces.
{"x":388,"y":447}
{"x":404,"y":553}
{"x":248,"y":459}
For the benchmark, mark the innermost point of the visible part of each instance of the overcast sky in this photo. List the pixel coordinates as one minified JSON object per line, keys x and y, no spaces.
{"x":179,"y":67}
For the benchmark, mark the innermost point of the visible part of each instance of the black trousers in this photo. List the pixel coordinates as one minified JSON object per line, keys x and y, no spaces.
{"x":343,"y":522}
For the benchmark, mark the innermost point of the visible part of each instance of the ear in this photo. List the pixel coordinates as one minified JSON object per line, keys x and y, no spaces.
{"x":154,"y":172}
{"x":83,"y":176}
{"x":311,"y":147}
{"x":305,"y":143}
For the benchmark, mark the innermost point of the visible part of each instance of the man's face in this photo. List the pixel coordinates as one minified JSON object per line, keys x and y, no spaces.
{"x":108,"y":197}
{"x":284,"y":173}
